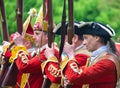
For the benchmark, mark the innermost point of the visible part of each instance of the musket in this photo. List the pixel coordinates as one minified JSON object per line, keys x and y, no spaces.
{"x":50,"y":24}
{"x":11,"y":73}
{"x":4,"y":69}
{"x":63,"y":29}
{"x":47,"y":82}
{"x":4,"y":23}
{"x":70,"y":31}
{"x":5,"y":64}
{"x":19,"y":16}
{"x":11,"y":76}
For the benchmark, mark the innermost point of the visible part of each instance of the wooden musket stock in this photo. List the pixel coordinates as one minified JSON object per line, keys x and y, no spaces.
{"x":11,"y":76}
{"x":70,"y":25}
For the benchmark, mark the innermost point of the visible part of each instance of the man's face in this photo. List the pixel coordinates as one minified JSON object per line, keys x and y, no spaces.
{"x":90,"y":42}
{"x":40,"y":38}
{"x":37,"y":36}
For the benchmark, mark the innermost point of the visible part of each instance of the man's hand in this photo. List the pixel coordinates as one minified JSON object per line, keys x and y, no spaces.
{"x":69,"y":50}
{"x":18,"y":39}
{"x":49,"y":52}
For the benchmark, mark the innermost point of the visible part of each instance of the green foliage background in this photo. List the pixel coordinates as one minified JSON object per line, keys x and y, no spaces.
{"x":105,"y":11}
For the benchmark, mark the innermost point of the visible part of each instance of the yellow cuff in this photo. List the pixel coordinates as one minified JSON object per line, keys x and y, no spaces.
{"x":64,"y":63}
{"x":51,"y":59}
{"x":15,"y":52}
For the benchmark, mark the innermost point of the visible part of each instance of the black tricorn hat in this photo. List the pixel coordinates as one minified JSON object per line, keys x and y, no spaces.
{"x":96,"y":28}
{"x":57,"y":29}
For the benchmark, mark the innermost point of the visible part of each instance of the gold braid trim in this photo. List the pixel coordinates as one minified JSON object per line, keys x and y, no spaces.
{"x":62,"y":66}
{"x":54,"y":85}
{"x":51,"y":59}
{"x":29,"y":37}
{"x":15,"y":52}
{"x":24,"y":80}
{"x":45,"y":26}
{"x":64,"y":62}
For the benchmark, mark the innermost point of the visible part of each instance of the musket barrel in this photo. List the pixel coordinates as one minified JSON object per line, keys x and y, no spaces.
{"x":50,"y":23}
{"x":63,"y":29}
{"x":5,"y":38}
{"x":19,"y":16}
{"x":11,"y":76}
{"x":70,"y":21}
{"x":4,"y":23}
{"x":70,"y":25}
{"x":47,"y":82}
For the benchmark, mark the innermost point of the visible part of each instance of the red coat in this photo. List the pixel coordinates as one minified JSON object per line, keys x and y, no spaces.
{"x":100,"y":75}
{"x":35,"y":78}
{"x":34,"y":68}
{"x":81,"y":56}
{"x":54,"y":66}
{"x":81,"y":61}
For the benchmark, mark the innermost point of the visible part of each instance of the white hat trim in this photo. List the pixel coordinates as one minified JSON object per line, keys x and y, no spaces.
{"x":59,"y":25}
{"x":106,"y":29}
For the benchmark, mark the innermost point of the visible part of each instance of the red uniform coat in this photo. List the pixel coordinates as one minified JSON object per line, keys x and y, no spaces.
{"x":81,"y":56}
{"x":100,"y":75}
{"x":81,"y":61}
{"x":33,"y":66}
{"x":35,"y":78}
